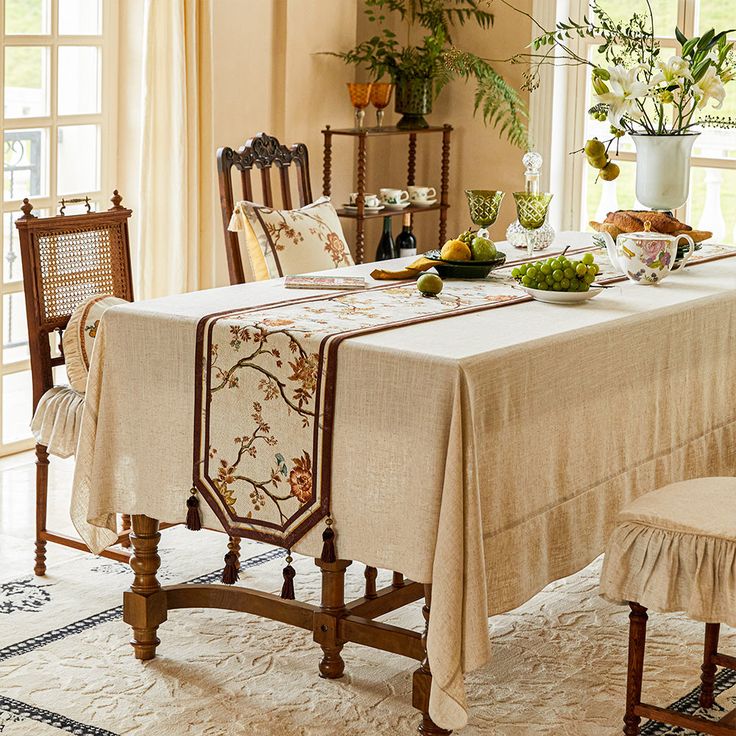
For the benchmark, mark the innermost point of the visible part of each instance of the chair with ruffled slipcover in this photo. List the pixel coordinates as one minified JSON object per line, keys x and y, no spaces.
{"x":675,"y":550}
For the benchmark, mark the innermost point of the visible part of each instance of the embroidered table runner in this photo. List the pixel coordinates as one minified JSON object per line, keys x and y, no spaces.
{"x":265,"y":398}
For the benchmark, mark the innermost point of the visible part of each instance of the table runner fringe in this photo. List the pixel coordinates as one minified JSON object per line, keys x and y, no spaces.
{"x":231,"y":572}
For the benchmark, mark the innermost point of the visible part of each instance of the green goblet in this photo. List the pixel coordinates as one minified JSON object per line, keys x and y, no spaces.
{"x":484,"y":205}
{"x":531,"y":209}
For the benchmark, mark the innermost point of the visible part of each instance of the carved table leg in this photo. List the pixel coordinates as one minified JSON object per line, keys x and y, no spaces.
{"x":125,"y":524}
{"x":637,"y":641}
{"x":144,"y":605}
{"x":370,"y":582}
{"x":42,"y":489}
{"x":422,"y":683}
{"x":708,"y":669}
{"x":332,"y":608}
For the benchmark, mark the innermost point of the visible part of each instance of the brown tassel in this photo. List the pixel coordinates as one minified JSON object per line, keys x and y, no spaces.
{"x":194,"y":522}
{"x":287,"y":589}
{"x":328,"y":548}
{"x":231,"y":573}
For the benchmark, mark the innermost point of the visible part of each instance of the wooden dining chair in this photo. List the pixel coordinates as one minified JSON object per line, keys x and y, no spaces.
{"x":66,"y":260}
{"x":673,"y":550}
{"x":262,"y":152}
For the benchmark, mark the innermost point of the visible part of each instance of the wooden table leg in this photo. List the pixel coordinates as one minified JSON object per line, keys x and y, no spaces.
{"x":125,"y":525}
{"x":370,"y":581}
{"x":332,"y":609}
{"x":144,"y":605}
{"x":422,"y":683}
{"x":708,"y":668}
{"x":637,"y":641}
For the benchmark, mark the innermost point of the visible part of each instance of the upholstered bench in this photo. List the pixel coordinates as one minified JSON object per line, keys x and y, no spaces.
{"x":675,"y":550}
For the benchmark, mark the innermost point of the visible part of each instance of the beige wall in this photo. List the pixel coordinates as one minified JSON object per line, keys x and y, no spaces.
{"x":479,"y":159}
{"x":268,"y":77}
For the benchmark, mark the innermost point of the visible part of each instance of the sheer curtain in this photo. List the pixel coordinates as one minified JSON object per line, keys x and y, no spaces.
{"x":177,"y":184}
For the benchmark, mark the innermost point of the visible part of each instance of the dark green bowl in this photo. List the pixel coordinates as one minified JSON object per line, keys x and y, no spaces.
{"x":464,"y":269}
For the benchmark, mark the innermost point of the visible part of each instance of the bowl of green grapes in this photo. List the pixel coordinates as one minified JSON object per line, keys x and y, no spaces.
{"x":559,"y":280}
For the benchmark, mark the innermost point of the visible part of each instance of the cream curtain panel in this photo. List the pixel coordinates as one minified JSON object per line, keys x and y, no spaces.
{"x":177,"y":184}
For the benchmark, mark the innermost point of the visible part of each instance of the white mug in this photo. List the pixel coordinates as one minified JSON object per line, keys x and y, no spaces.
{"x":422,"y":194}
{"x":394,"y":196}
{"x":370,"y":200}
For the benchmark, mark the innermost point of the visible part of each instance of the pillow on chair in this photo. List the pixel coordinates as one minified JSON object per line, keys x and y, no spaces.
{"x":79,"y":337}
{"x":290,"y":242}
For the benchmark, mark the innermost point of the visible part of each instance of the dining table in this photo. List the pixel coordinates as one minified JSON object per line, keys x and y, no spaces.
{"x":480,"y":444}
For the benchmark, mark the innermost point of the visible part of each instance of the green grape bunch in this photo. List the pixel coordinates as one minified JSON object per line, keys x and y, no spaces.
{"x":558,"y":274}
{"x":466,"y":237}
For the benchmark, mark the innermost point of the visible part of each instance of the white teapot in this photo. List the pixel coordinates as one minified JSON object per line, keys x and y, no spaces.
{"x":646,"y":257}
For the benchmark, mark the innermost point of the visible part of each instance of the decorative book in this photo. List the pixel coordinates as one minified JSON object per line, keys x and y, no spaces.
{"x":325,"y":282}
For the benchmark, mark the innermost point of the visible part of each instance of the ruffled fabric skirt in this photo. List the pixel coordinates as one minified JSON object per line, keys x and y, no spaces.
{"x":58,"y":419}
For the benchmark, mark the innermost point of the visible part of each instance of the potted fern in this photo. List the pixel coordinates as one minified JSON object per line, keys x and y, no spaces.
{"x":420,"y":69}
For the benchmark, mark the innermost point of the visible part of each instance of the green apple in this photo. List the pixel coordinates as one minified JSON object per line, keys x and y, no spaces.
{"x":429,"y":284}
{"x":483,"y":249}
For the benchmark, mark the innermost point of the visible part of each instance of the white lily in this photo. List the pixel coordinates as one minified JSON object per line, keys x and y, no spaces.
{"x":624,"y":91}
{"x":709,"y":87}
{"x":674,"y":71}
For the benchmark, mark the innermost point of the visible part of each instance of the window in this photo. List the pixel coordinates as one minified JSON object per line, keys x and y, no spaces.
{"x":712,"y":201}
{"x":57,"y":86}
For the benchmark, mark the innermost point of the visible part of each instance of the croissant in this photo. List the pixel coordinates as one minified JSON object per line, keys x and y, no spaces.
{"x":632,"y":221}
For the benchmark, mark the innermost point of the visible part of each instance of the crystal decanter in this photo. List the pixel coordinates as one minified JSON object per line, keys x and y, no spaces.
{"x":516,"y":234}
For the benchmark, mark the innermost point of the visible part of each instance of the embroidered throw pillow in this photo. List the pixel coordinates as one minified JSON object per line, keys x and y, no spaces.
{"x":292,"y":241}
{"x":79,"y":338}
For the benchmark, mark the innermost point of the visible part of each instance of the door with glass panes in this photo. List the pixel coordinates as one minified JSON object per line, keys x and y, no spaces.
{"x":57,"y":83}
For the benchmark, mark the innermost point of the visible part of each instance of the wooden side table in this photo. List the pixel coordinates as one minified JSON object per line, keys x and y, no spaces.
{"x":360,"y":215}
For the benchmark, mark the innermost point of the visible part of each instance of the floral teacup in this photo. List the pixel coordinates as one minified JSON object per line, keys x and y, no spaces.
{"x":646,"y":258}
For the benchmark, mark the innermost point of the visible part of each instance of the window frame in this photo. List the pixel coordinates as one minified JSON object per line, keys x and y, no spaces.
{"x":106,"y":119}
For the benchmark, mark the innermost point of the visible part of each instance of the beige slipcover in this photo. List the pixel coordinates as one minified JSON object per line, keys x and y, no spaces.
{"x":675,"y":550}
{"x":57,"y":420}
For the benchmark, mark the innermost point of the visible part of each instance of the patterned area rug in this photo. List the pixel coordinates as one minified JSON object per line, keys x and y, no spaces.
{"x":66,"y":666}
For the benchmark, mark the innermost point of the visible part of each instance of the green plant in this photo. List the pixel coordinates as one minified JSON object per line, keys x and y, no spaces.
{"x":435,"y":57}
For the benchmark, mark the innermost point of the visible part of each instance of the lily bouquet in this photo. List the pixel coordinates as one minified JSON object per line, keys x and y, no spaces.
{"x":636,"y":87}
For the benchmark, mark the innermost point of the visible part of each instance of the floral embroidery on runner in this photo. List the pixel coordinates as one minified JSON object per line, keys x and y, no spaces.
{"x":265,"y":398}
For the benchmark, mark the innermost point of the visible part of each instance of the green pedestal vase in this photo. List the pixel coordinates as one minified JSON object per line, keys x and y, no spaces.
{"x":413,"y":102}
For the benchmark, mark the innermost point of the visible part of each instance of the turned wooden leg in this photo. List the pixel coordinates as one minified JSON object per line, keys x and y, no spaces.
{"x":42,"y":490}
{"x":708,"y":669}
{"x":422,"y":682}
{"x":370,"y":582}
{"x":397,"y":580}
{"x":637,"y":641}
{"x":125,"y":524}
{"x":332,"y":608}
{"x":144,"y":605}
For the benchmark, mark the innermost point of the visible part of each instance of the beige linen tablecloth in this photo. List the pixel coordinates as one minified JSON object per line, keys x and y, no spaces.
{"x":487,"y":453}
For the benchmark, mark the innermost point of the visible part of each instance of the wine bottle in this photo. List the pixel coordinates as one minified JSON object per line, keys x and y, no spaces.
{"x":406,"y":241}
{"x":386,"y":247}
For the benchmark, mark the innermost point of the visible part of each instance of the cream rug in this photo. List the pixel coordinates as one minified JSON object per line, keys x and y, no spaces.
{"x":66,"y":666}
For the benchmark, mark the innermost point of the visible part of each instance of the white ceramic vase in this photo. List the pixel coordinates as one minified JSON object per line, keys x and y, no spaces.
{"x":663,"y":169}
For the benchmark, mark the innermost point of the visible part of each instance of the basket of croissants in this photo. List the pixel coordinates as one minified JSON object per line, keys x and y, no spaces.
{"x":634,"y":221}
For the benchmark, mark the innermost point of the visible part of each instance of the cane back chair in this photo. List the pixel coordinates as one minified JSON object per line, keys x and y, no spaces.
{"x":67,"y":259}
{"x":261,"y":152}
